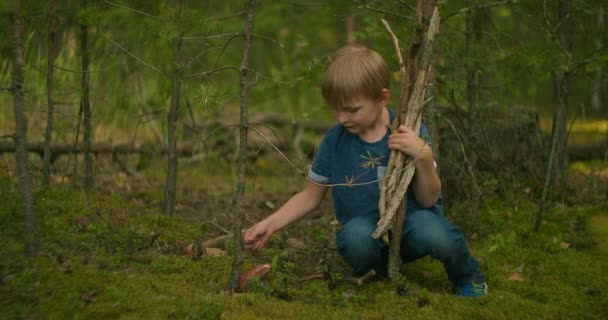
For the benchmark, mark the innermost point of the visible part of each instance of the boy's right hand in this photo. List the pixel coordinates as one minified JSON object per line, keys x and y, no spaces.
{"x":257,"y":236}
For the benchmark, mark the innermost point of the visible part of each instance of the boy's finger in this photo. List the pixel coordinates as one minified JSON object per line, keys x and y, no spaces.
{"x":403,"y":129}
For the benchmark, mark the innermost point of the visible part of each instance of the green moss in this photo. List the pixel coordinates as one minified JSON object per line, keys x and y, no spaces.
{"x":103,"y":257}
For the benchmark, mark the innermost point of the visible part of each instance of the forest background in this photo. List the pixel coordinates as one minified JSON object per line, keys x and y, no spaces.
{"x":510,"y":75}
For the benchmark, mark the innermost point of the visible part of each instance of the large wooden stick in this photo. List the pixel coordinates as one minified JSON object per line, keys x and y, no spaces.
{"x":400,"y":171}
{"x":399,"y":178}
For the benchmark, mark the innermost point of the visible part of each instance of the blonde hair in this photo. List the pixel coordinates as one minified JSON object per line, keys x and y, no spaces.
{"x":354,"y":71}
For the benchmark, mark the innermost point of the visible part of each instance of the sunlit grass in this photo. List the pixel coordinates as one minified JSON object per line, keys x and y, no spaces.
{"x":582,"y":131}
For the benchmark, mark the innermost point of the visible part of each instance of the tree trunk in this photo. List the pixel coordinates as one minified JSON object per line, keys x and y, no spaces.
{"x":349,"y":25}
{"x":560,"y":86}
{"x":242,"y":158}
{"x":48,"y":135}
{"x":74,"y":154}
{"x":86,"y":105}
{"x":25,"y":182}
{"x":600,"y":81}
{"x":472,"y":99}
{"x":558,"y":154}
{"x":172,"y":119}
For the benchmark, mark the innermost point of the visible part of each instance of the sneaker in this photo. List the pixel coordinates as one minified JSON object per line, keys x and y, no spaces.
{"x":475,"y":289}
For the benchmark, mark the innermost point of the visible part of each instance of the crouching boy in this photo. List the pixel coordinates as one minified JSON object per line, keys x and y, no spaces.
{"x":352,"y":160}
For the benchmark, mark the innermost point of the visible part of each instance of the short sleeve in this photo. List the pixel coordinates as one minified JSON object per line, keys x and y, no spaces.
{"x":425,"y":135}
{"x":320,"y":171}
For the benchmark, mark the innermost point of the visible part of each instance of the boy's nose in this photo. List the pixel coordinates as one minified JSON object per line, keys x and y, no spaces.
{"x":342,"y":117}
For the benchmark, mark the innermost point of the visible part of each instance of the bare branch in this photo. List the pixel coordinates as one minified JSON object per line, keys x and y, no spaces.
{"x":213,"y":36}
{"x":134,"y":10}
{"x":80,"y":71}
{"x":551,"y":30}
{"x":267,"y":78}
{"x":131,"y":54}
{"x":347,"y":184}
{"x":370,"y":8}
{"x":464,"y":155}
{"x":481,"y":6}
{"x":397,"y":48}
{"x":208,"y":73}
{"x":405,"y":4}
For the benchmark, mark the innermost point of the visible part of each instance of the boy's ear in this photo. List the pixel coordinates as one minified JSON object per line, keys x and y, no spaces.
{"x":385,"y":97}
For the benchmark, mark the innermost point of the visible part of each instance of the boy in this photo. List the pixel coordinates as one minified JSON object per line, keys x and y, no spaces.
{"x":352,"y":159}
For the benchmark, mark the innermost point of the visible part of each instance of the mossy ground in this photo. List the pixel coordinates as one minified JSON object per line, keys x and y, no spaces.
{"x":111,"y":253}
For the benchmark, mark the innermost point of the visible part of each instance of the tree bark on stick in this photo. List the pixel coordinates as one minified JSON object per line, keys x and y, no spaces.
{"x":86,"y":104}
{"x":242,"y":158}
{"x":401,"y":169}
{"x":172,"y":119}
{"x":48,"y":135}
{"x":429,"y":114}
{"x":25,"y":181}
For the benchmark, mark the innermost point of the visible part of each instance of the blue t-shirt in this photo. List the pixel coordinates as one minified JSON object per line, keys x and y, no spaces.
{"x":357,"y":166}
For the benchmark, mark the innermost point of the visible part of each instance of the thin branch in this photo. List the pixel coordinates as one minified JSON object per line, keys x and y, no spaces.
{"x":267,"y":78}
{"x":368,"y":7}
{"x":464,"y":155}
{"x":208,"y":73}
{"x":213,"y":36}
{"x":407,"y":5}
{"x":198,"y":56}
{"x":131,"y":54}
{"x":347,"y":184}
{"x":481,"y":6}
{"x":80,"y":71}
{"x":589,"y":59}
{"x":396,"y":44}
{"x":134,"y":10}
{"x":551,"y":30}
{"x":217,"y":61}
{"x":237,"y":34}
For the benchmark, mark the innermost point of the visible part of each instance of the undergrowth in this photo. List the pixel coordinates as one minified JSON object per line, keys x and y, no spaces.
{"x":106,"y":256}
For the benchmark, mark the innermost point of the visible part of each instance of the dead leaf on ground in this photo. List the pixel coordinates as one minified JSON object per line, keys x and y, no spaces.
{"x":565,"y":245}
{"x":516,"y":277}
{"x":214,"y":252}
{"x":256,"y":271}
{"x":190,"y":251}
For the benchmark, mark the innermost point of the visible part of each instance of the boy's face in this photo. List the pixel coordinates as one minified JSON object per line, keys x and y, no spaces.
{"x":361,"y":115}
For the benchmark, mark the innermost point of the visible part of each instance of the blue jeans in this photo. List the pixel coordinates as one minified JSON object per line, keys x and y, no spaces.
{"x":424,"y":233}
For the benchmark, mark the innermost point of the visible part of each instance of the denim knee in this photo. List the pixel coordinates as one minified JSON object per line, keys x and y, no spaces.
{"x":358,"y":248}
{"x":426,"y":233}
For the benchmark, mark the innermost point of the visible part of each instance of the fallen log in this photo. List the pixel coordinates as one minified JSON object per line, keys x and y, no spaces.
{"x":98,"y":148}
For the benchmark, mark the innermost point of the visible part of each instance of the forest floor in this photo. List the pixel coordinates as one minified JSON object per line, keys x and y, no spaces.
{"x":111,"y":253}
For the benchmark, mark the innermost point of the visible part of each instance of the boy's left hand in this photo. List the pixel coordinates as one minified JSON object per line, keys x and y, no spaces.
{"x":408,"y":141}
